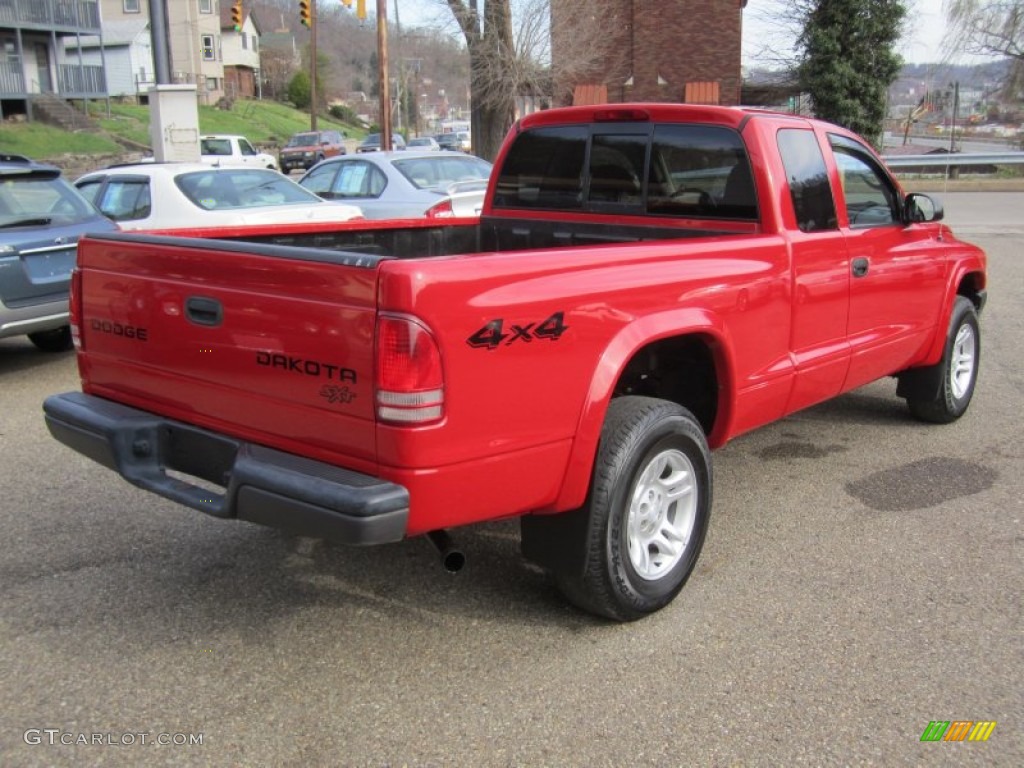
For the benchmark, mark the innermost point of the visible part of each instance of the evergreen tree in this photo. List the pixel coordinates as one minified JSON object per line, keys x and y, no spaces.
{"x":848,"y":62}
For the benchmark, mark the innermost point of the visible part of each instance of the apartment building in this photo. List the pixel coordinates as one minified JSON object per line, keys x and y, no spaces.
{"x":33,"y":63}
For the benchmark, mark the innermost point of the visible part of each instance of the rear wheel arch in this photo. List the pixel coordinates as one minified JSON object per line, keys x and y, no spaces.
{"x":640,"y":364}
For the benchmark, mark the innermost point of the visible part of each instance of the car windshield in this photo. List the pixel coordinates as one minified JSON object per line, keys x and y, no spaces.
{"x":371,"y":138}
{"x":220,"y":189}
{"x":302,"y":140}
{"x":439,"y":172}
{"x":39,"y":201}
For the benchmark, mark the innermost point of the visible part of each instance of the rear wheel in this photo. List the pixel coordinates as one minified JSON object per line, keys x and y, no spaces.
{"x":647,"y":511}
{"x":57,"y":340}
{"x":958,"y":369}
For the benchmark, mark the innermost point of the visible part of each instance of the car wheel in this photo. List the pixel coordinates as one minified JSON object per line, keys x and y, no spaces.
{"x":647,"y":511}
{"x":958,"y":368}
{"x":57,"y":340}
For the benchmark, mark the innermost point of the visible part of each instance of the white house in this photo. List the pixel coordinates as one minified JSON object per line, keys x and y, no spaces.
{"x":127,"y":53}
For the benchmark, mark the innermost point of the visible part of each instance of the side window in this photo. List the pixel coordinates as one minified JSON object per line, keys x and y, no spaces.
{"x":871,"y":198}
{"x":808,"y":180}
{"x":353,"y":179}
{"x":544,"y":169}
{"x":89,"y":189}
{"x":246,"y":148}
{"x":320,"y":179}
{"x":701,"y":171}
{"x":125,"y":200}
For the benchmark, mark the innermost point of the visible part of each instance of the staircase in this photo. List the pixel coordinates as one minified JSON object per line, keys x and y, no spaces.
{"x":50,"y":108}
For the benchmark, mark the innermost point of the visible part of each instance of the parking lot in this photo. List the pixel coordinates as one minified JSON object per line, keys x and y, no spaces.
{"x":861,"y":578}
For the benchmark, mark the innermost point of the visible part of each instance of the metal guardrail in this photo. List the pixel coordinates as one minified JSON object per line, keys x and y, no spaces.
{"x":953,"y":159}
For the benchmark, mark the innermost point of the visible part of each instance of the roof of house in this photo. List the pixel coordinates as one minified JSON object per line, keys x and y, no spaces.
{"x":114,"y":34}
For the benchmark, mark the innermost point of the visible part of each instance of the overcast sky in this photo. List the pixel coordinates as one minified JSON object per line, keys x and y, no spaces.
{"x":922,"y":43}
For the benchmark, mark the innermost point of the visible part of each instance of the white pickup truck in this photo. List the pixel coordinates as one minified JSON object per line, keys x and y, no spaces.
{"x":225,"y":150}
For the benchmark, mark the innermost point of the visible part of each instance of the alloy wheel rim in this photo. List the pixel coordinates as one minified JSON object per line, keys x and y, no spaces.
{"x":961,"y":369}
{"x":662,"y":514}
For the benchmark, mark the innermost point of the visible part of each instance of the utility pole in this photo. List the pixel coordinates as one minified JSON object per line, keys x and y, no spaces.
{"x":307,"y":15}
{"x":382,"y":63}
{"x":312,"y":65}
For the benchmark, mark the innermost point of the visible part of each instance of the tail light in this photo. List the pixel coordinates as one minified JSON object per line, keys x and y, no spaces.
{"x":75,"y":309}
{"x":442,"y":210}
{"x":410,"y":379}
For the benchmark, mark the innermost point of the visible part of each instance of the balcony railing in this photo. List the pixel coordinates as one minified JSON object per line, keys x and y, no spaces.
{"x":87,"y":80}
{"x":12,"y":79}
{"x":59,"y":15}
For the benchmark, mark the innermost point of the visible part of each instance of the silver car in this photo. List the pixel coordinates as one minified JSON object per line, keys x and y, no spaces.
{"x":407,"y":184}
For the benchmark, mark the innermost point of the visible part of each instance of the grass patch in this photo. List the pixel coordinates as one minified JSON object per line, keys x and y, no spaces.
{"x":267,"y":123}
{"x":37,"y":140}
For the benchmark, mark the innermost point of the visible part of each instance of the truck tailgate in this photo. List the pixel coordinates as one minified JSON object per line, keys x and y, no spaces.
{"x":272,"y":344}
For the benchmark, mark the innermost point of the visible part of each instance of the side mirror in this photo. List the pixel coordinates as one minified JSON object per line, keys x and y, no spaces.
{"x":919,"y":207}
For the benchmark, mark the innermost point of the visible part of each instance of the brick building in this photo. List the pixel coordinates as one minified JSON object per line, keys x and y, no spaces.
{"x":684,"y":51}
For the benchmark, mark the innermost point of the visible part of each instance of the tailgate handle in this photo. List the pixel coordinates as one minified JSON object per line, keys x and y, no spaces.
{"x":203,"y":311}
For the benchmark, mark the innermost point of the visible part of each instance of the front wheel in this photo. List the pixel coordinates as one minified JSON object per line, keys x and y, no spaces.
{"x":647,"y":510}
{"x":958,"y":369}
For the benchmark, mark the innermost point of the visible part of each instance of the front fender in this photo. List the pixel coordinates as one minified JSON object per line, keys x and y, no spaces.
{"x":613,"y":361}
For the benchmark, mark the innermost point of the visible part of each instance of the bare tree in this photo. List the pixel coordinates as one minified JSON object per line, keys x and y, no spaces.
{"x":989,"y":28}
{"x":491,"y":68}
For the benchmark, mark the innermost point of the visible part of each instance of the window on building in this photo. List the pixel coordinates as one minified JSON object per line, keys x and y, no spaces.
{"x":245,"y":41}
{"x":131,"y":6}
{"x":255,"y":43}
{"x":211,"y":83}
{"x":209,"y":52}
{"x":206,"y":6}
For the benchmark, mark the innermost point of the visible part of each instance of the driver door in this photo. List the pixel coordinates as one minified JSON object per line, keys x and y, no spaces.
{"x":897,"y":271}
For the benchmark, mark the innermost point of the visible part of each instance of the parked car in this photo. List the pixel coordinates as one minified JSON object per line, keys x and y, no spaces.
{"x":424,"y":143}
{"x":223,"y":150}
{"x":388,"y":185}
{"x":41,"y":219}
{"x":447,"y":141}
{"x":372,"y":142}
{"x":188,"y":195}
{"x":455,"y":140}
{"x":306,"y":149}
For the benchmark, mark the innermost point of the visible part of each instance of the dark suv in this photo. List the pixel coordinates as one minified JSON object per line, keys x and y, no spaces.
{"x":306,"y":149}
{"x":41,"y":219}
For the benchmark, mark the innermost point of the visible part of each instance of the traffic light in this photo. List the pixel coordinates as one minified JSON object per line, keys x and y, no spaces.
{"x":305,"y":13}
{"x":236,"y":15}
{"x":361,"y":10}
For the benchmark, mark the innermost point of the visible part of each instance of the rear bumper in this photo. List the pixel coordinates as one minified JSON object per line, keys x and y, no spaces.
{"x":31,"y":319}
{"x":242,"y":480}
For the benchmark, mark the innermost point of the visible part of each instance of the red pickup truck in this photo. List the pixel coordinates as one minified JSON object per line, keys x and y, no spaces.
{"x":645,"y":283}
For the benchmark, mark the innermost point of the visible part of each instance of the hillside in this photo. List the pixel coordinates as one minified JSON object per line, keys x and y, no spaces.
{"x":124,"y":133}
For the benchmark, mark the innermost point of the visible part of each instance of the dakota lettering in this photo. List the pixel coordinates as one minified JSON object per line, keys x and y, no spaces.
{"x":305,"y":367}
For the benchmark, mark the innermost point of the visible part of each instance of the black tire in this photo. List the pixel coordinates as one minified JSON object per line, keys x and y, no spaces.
{"x":958,"y":369}
{"x":57,"y":340}
{"x":627,"y":572}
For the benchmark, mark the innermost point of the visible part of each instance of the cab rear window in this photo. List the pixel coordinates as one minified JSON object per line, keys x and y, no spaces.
{"x":692,"y":171}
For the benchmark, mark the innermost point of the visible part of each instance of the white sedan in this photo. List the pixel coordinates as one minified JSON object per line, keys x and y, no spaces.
{"x":191,"y":195}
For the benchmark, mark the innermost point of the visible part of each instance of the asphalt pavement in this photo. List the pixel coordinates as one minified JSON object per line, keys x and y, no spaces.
{"x":861,"y":578}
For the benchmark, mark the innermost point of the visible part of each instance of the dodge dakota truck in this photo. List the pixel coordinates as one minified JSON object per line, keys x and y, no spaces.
{"x":645,"y":283}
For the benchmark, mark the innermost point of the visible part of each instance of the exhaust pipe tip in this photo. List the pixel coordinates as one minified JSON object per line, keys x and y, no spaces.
{"x":452,"y":558}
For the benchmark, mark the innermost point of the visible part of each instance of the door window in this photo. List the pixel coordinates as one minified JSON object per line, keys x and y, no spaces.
{"x":871,"y":198}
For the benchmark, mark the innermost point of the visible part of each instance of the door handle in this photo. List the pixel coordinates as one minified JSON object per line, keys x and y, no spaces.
{"x":203,"y":311}
{"x":860,"y":266}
